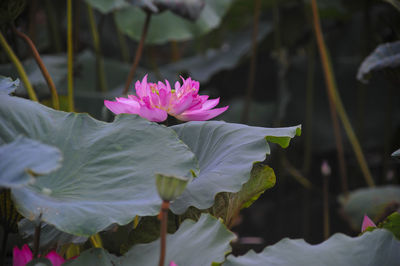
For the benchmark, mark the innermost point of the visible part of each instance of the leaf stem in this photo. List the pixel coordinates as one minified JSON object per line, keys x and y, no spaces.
{"x":70,"y":51}
{"x":163,"y":231}
{"x":36,"y":240}
{"x":122,"y":42}
{"x":21,"y":71}
{"x":325,"y":192}
{"x":43,"y":69}
{"x":335,"y":99}
{"x":101,"y":75}
{"x":138,"y":54}
{"x":4,"y":246}
{"x":53,"y":25}
{"x":253,"y":63}
{"x":96,"y":241}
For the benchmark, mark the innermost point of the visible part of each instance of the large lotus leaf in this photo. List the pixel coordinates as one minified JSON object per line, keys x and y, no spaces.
{"x":386,"y":55}
{"x":195,"y":243}
{"x":202,"y":67}
{"x":226,"y":153}
{"x":370,"y":201}
{"x":105,"y":6}
{"x":379,"y":247}
{"x":108,"y":170}
{"x":23,"y":159}
{"x":7,"y":85}
{"x":167,"y":26}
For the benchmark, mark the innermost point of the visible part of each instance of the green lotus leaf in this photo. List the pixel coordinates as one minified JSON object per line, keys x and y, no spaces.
{"x":226,"y":153}
{"x":379,"y":247}
{"x":23,"y":159}
{"x":195,"y":243}
{"x":108,"y":169}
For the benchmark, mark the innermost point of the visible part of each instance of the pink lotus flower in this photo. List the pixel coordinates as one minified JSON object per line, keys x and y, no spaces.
{"x":23,"y":256}
{"x":172,"y":263}
{"x":367,"y":222}
{"x":155,"y":101}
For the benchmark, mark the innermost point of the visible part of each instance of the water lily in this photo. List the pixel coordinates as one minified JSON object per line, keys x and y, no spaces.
{"x":367,"y":222}
{"x":155,"y":101}
{"x":22,"y":256}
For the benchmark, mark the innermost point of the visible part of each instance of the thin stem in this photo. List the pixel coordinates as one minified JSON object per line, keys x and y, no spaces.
{"x":335,"y":98}
{"x":122,"y":42}
{"x":43,"y":69}
{"x":176,"y":55}
{"x":36,"y":240}
{"x":163,"y":236}
{"x":53,"y":25}
{"x":138,"y":54}
{"x":253,"y":63}
{"x":101,"y":75}
{"x":70,"y":51}
{"x":21,"y":71}
{"x":326,"y":206}
{"x":4,"y":246}
{"x":309,"y":107}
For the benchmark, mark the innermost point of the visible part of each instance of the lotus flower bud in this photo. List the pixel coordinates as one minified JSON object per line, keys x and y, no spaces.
{"x":170,"y":187}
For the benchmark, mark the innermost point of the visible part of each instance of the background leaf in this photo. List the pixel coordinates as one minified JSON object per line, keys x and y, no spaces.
{"x":372,"y":248}
{"x":106,"y":6}
{"x":23,"y":159}
{"x":7,"y":85}
{"x":226,"y":153}
{"x":386,"y":55}
{"x":370,"y":201}
{"x":167,"y":26}
{"x":106,"y":176}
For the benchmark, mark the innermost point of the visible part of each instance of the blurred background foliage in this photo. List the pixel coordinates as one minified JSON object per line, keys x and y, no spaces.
{"x":261,"y":58}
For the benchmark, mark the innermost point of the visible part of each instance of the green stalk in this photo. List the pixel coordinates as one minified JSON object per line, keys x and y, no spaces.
{"x":101,"y":75}
{"x":309,"y":107}
{"x":325,"y":201}
{"x":122,"y":42}
{"x":335,"y":98}
{"x":96,"y":241}
{"x":53,"y":25}
{"x":253,"y":64}
{"x":42,"y":67}
{"x":21,"y":71}
{"x":70,"y":51}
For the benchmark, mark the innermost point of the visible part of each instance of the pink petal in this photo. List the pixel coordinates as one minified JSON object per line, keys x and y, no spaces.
{"x":181,"y":104}
{"x":141,"y":88}
{"x":172,"y":263}
{"x":164,"y":97}
{"x":201,"y":115}
{"x":22,"y":257}
{"x":122,"y":107}
{"x":367,"y":222}
{"x":153,"y":114}
{"x":56,"y":259}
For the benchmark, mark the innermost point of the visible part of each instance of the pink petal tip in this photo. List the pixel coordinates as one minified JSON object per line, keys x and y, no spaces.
{"x":367,"y":222}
